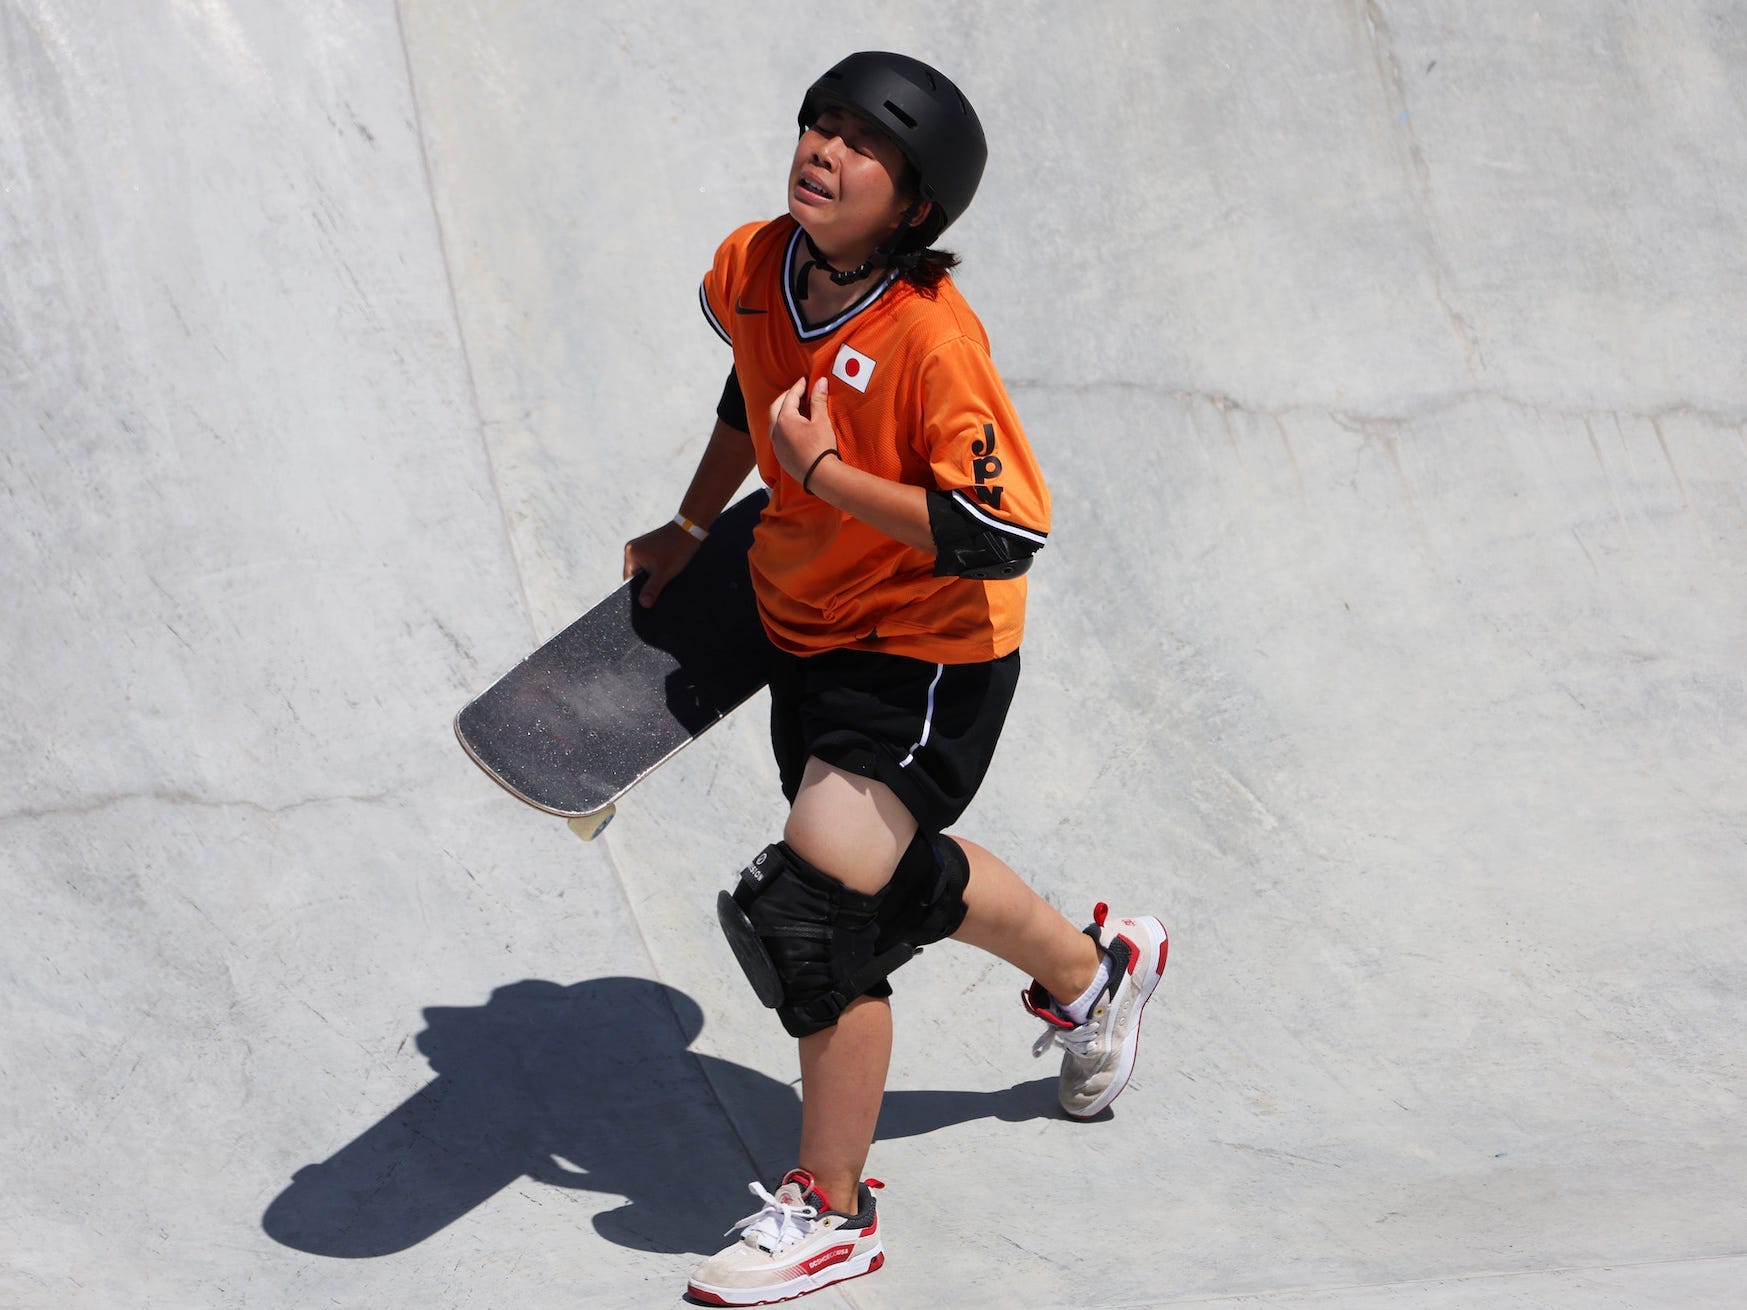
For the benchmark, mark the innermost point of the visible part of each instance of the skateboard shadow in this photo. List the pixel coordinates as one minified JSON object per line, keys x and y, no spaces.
{"x":710,"y":633}
{"x":587,"y":1087}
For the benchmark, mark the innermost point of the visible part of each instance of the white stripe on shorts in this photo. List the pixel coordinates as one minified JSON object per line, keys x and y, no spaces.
{"x":927,"y":719}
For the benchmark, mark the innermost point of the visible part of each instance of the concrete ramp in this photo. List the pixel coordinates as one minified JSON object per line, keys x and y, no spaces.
{"x":1387,"y":362}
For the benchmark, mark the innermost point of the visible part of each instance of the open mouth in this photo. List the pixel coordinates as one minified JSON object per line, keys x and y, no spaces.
{"x":807,"y":184}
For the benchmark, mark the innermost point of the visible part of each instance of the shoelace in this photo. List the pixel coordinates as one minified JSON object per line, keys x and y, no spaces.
{"x":776,"y":1220}
{"x":1079,"y":1040}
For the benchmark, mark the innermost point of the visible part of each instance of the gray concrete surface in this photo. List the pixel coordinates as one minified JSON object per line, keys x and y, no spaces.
{"x":1387,"y":360}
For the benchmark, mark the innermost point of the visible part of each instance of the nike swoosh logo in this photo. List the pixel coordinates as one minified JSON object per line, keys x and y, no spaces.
{"x":742,"y":309}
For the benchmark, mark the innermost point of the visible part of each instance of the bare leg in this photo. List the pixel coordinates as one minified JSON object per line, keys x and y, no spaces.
{"x":1007,"y":919}
{"x":843,"y":1080}
{"x":855,"y":830}
{"x":852,"y":827}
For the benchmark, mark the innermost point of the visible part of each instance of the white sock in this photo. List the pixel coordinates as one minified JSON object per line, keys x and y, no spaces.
{"x":1079,"y":1010}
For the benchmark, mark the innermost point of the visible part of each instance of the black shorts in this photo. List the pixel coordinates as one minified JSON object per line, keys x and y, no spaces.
{"x":927,"y":731}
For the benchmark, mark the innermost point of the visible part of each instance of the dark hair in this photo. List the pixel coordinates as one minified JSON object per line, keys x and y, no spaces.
{"x":915,"y":261}
{"x":924,"y":268}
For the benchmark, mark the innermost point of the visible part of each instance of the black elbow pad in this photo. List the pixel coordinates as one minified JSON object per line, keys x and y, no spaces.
{"x":965,"y":546}
{"x":731,"y":408}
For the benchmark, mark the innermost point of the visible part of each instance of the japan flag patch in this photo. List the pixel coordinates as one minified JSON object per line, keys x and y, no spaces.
{"x":853,"y":367}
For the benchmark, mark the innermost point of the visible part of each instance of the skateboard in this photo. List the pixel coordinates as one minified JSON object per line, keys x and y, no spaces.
{"x":600,"y":706}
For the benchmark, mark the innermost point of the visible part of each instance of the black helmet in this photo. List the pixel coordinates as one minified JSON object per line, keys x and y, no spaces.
{"x":920,"y":109}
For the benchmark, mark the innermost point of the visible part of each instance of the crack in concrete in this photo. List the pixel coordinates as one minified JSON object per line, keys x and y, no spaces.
{"x":1395,"y":91}
{"x":1358,"y":420}
{"x":97,"y":804}
{"x":418,"y":126}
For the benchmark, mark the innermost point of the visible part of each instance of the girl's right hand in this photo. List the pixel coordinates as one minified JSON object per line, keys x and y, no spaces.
{"x":660,"y":554}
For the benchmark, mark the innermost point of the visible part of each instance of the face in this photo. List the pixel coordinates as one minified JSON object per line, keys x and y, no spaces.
{"x":844,"y":183}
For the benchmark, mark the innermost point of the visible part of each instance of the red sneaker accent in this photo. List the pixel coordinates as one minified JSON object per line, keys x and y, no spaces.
{"x":1164,"y":949}
{"x":1098,"y":912}
{"x":1037,"y":1003}
{"x":1133,"y":951}
{"x":804,"y":1180}
{"x":813,"y":1264}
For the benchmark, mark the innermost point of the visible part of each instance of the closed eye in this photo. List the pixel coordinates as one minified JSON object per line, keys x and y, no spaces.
{"x":857,"y":136}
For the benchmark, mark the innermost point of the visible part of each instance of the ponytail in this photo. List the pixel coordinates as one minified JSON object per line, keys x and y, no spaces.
{"x":922,"y":269}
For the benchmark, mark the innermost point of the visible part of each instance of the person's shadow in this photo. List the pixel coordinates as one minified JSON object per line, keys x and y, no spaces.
{"x":589,"y":1086}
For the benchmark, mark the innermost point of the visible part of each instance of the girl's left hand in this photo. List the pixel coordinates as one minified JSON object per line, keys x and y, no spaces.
{"x":800,"y":427}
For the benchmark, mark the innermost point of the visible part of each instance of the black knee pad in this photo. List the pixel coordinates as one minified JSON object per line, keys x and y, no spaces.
{"x":807,"y":943}
{"x":924,"y":903}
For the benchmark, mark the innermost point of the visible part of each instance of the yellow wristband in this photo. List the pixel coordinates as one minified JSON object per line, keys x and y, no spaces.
{"x":689,"y":526}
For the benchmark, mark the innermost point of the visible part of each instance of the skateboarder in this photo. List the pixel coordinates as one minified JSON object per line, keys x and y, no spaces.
{"x":905,"y":508}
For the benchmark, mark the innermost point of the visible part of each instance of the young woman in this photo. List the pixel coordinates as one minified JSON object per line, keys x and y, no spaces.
{"x":905,"y":506}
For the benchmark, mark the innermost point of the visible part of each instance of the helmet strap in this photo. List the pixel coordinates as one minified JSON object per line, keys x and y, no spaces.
{"x":818,"y":260}
{"x":877,"y":257}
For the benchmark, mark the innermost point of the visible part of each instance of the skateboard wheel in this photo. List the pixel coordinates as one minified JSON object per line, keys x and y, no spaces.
{"x":588,"y":826}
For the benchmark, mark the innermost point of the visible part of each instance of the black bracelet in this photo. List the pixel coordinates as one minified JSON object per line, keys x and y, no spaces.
{"x":814,"y":467}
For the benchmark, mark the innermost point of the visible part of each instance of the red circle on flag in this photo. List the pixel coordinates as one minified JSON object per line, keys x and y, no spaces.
{"x":851,"y":367}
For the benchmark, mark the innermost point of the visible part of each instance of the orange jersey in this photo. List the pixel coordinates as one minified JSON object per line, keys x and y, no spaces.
{"x":914,"y":398}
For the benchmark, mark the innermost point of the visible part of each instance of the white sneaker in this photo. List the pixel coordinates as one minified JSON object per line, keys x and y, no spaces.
{"x":1100,"y":1052}
{"x":793,"y":1245}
